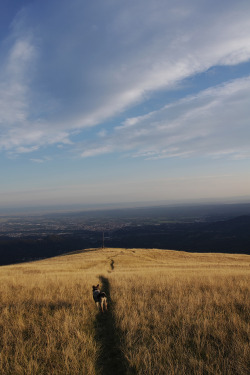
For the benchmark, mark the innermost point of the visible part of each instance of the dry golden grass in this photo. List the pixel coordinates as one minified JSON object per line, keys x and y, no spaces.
{"x":46,"y":320}
{"x":170,"y":313}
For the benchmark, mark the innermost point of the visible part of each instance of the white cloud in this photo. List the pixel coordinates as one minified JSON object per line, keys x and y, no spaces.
{"x":40,"y":160}
{"x":13,"y":86}
{"x":100,"y":150}
{"x":213,"y":123}
{"x":76,"y":68}
{"x":37,"y":160}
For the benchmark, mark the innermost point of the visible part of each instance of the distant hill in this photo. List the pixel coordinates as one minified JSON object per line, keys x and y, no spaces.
{"x":229,"y":236}
{"x":242,"y":221}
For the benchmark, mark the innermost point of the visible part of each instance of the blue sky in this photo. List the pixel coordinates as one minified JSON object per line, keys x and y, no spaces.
{"x":124,"y":101}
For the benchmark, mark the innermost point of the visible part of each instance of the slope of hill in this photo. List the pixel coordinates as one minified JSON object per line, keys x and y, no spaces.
{"x":169,"y":313}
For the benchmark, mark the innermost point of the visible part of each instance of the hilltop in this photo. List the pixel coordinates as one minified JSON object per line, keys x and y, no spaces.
{"x":169,"y":313}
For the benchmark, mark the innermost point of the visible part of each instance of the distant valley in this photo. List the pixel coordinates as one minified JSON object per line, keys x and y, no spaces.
{"x":200,"y":228}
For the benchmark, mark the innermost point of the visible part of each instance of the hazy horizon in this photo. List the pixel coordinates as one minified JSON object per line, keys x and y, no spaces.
{"x":74,"y":208}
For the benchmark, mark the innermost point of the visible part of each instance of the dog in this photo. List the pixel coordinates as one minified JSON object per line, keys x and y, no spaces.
{"x":100,"y":298}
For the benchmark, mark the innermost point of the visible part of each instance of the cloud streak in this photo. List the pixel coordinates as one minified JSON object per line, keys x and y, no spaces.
{"x":66,"y":71}
{"x":212,"y":123}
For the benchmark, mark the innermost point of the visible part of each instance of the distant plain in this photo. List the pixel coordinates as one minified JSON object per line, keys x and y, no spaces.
{"x":200,"y":228}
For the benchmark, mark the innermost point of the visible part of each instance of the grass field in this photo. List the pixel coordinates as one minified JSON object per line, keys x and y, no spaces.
{"x":169,"y":313}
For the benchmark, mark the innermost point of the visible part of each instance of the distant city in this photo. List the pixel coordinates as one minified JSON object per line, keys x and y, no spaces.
{"x":62,"y":223}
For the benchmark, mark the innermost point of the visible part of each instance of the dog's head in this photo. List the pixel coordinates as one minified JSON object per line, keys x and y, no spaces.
{"x":95,"y":287}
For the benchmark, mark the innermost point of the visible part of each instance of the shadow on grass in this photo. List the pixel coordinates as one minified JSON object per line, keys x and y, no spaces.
{"x":111,"y":360}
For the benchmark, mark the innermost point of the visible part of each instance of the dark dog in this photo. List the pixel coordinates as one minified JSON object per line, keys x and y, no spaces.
{"x":100,"y":298}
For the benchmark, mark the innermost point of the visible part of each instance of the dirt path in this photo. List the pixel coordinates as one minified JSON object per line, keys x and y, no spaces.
{"x":112,"y":264}
{"x":111,"y":359}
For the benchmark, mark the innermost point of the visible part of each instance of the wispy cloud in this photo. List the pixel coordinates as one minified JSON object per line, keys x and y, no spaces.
{"x":20,"y":130}
{"x":14,"y":85}
{"x":212,"y":123}
{"x":68,"y":70}
{"x":40,"y":160}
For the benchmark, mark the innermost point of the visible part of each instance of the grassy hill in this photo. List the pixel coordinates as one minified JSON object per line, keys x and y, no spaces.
{"x":169,"y":313}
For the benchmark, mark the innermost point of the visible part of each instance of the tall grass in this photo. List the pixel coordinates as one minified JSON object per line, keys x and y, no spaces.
{"x":175,"y":313}
{"x":46,"y":318}
{"x":188,"y":324}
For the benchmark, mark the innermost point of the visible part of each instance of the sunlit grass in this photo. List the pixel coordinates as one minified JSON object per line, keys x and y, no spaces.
{"x":177,"y":312}
{"x":184,"y":324}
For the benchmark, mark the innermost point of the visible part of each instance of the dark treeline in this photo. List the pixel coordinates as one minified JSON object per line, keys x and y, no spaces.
{"x":230,"y":236}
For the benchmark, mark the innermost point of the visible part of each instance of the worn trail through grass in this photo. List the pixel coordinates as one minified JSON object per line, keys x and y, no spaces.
{"x":111,"y":359}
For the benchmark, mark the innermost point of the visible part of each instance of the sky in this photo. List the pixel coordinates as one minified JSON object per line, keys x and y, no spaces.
{"x":124,"y":101}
